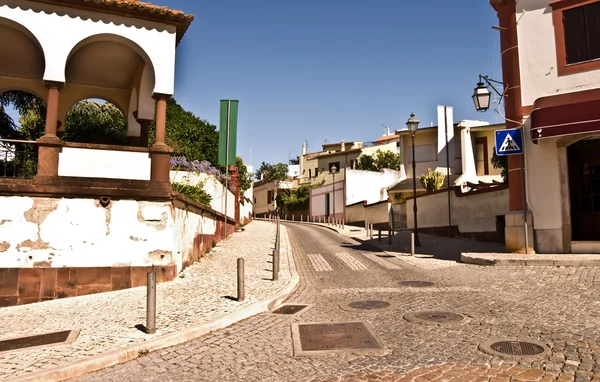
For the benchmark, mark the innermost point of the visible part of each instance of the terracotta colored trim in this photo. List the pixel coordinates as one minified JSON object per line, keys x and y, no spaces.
{"x":96,"y":146}
{"x":563,"y":68}
{"x":483,"y":141}
{"x":567,"y":98}
{"x":526,"y":110}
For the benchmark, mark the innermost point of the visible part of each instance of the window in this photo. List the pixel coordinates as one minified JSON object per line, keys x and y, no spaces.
{"x":481,"y":156}
{"x":309,"y":173}
{"x":577,"y":35}
{"x":316,"y":172}
{"x":270,"y":196}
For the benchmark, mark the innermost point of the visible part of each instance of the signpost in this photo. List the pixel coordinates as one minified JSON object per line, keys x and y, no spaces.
{"x":510,"y":142}
{"x":227,"y":144}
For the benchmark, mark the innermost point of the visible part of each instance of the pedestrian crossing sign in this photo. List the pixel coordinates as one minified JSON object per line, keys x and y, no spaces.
{"x":509,"y":142}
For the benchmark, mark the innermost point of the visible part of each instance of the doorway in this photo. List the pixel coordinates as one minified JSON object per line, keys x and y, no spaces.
{"x":584,"y":186}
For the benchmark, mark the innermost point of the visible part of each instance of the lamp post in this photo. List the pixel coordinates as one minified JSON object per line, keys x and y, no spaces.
{"x":413,"y":125}
{"x":333,"y":170}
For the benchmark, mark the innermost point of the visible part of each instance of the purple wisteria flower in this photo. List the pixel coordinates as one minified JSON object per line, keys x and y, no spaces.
{"x":196,"y":166}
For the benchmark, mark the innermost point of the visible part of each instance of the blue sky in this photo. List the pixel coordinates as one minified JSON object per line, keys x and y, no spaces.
{"x":321,"y":70}
{"x":332,"y":69}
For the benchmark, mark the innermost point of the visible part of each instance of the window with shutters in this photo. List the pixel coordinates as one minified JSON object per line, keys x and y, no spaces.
{"x":577,"y":35}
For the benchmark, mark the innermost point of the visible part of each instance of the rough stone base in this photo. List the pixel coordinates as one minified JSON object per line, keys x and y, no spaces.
{"x":514,"y":232}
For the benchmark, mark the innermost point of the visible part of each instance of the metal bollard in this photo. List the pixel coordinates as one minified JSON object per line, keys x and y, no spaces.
{"x":379,"y":235}
{"x":301,"y":218}
{"x":293,"y":216}
{"x":371,"y":231}
{"x":389,"y":236}
{"x":412,"y":243}
{"x":151,"y":302}
{"x":343,"y":223}
{"x":240,"y":279}
{"x":275,"y":265}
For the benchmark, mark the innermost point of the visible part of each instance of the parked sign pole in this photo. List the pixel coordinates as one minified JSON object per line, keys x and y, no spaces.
{"x":226,"y":169}
{"x":524,"y":198}
{"x":448,"y":173}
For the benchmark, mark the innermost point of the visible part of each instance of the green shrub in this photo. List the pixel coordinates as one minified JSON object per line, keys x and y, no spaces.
{"x":432,"y":181}
{"x":196,"y":193}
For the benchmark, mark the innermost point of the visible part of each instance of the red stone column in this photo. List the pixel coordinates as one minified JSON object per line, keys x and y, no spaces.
{"x":144,"y":127}
{"x":49,"y":145}
{"x":511,"y":76}
{"x":160,"y":152}
{"x":235,"y":184}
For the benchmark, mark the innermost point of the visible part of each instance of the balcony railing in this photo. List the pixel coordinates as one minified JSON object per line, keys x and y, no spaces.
{"x":18,"y":158}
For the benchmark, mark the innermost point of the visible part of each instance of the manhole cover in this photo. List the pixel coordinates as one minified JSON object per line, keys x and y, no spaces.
{"x":64,"y":337}
{"x":439,"y":317}
{"x":514,"y":349}
{"x":323,"y":338}
{"x":369,"y":304}
{"x":435,"y":318}
{"x":416,"y":283}
{"x":289,"y":309}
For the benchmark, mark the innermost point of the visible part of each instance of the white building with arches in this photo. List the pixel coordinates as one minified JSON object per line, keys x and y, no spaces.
{"x":95,"y":217}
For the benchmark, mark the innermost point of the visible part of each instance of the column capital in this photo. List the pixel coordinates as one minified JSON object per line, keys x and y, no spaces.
{"x":54,"y":84}
{"x":161,"y":96}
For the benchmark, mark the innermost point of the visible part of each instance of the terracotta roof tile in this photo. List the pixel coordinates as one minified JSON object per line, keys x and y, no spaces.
{"x":132,"y":8}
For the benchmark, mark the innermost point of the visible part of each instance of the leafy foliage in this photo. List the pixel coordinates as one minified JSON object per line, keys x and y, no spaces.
{"x":244,"y":177}
{"x":366,"y":162}
{"x":501,"y":162}
{"x":297,"y":199}
{"x":94,"y":122}
{"x":378,"y":161}
{"x":196,"y":193}
{"x":295,"y":160}
{"x":272,"y":172}
{"x":28,"y":106}
{"x":188,"y":135}
{"x":433,"y":180}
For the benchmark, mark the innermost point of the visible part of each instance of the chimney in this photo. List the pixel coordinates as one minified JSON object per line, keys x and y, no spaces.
{"x":303,"y":148}
{"x":343,"y":146}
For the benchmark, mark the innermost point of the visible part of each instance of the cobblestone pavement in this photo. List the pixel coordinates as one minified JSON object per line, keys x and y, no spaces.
{"x":555,"y":305}
{"x":107,"y":321}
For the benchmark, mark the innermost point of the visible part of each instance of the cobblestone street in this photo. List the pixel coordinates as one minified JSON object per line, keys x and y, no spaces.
{"x":558,"y":306}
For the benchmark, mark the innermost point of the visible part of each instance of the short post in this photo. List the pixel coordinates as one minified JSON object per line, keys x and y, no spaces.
{"x":379,"y":235}
{"x":412,"y":243}
{"x":343,"y":223}
{"x":371,"y":231}
{"x":240,"y":280}
{"x":389,"y":236}
{"x":293,"y":216}
{"x":285,"y":216}
{"x":275,"y":264}
{"x":151,"y":302}
{"x":301,"y":218}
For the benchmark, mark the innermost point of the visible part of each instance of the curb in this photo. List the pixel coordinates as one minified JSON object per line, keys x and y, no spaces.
{"x":539,"y":262}
{"x":117,"y":356}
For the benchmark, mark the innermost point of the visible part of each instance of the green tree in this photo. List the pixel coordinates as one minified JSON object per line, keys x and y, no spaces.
{"x":366,"y":162}
{"x":387,"y":159}
{"x":94,"y":122}
{"x":295,"y":160}
{"x":24,"y":103}
{"x":501,"y":161}
{"x":188,"y":135}
{"x":244,"y":177}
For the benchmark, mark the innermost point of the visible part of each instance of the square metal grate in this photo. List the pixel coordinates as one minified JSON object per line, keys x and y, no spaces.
{"x":335,"y":337}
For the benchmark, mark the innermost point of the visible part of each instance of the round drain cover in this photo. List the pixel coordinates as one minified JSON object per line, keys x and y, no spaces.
{"x":517,"y":348}
{"x":439,"y":317}
{"x":435,"y":318}
{"x":514,"y":348}
{"x":369,"y":304}
{"x":416,"y":283}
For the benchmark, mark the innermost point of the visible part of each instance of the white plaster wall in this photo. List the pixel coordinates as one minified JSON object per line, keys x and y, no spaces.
{"x":473,"y":213}
{"x":390,"y":146}
{"x":370,"y":185}
{"x":537,"y":55}
{"x":212,"y":186}
{"x":544,"y":194}
{"x":112,"y":164}
{"x":81,"y":233}
{"x":355,"y":213}
{"x":69,"y":27}
{"x":318,"y":200}
{"x":187,"y":225}
{"x":378,"y":213}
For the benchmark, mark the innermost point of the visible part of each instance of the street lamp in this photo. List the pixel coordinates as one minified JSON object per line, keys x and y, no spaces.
{"x":333,"y":170}
{"x":481,"y":95}
{"x":413,"y":125}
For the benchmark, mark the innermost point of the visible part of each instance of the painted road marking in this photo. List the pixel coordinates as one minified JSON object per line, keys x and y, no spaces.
{"x":383,"y":262}
{"x":319,"y":263}
{"x":351,"y":262}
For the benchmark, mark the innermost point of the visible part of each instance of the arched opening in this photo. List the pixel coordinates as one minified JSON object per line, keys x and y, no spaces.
{"x":22,"y":54}
{"x":110,"y":67}
{"x":22,"y":121}
{"x":95,"y":120}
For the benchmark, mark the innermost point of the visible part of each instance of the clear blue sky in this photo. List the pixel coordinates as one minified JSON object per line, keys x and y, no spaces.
{"x":332,"y":69}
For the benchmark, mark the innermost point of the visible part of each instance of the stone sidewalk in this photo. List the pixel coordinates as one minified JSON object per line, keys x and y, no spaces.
{"x":199,"y":300}
{"x":441,"y":252}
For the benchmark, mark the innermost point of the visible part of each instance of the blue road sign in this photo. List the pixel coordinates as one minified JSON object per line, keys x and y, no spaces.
{"x":509,"y":142}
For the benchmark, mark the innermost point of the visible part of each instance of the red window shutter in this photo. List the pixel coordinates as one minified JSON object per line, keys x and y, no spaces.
{"x":592,"y":22}
{"x":575,"y":35}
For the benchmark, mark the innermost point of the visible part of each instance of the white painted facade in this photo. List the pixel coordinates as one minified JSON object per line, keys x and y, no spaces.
{"x":111,"y":164}
{"x":318,"y":200}
{"x":370,"y":186}
{"x":52,"y":232}
{"x":212,"y":186}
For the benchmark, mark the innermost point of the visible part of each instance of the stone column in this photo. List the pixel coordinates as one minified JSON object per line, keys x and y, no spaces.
{"x":235,"y":184}
{"x":49,"y":145}
{"x":145,"y":126}
{"x":160,"y":152}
